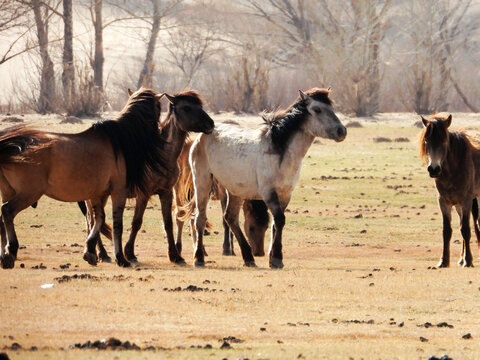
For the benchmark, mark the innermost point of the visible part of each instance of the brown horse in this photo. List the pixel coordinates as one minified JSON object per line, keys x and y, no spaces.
{"x":185,"y":114}
{"x":453,"y":162}
{"x":110,"y":158}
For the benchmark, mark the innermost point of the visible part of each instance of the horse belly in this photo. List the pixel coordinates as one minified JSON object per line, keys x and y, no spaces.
{"x":236,"y":171}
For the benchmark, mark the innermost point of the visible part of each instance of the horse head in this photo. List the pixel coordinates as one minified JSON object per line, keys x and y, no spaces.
{"x":434,"y":142}
{"x":322,"y":120}
{"x":189,"y":115}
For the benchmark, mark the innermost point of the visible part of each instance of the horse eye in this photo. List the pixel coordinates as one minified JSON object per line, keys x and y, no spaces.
{"x":187,"y":108}
{"x":317,"y":110}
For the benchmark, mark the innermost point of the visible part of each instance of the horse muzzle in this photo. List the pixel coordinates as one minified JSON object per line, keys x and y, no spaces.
{"x":434,"y":171}
{"x":340,"y":134}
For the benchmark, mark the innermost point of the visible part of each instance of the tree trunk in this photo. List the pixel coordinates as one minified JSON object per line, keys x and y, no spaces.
{"x":146,"y":74}
{"x":68,"y":74}
{"x":99,"y":59}
{"x":46,"y":99}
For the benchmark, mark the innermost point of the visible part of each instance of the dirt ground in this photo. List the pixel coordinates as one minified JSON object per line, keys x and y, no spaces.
{"x":362,"y":239}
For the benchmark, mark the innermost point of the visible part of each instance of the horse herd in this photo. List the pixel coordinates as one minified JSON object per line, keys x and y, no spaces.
{"x":136,"y":156}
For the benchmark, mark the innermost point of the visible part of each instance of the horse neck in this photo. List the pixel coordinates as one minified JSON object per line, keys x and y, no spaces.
{"x":299,"y":145}
{"x":174,"y":137}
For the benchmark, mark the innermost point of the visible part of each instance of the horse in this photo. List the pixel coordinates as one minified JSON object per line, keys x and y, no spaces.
{"x":262,"y":164}
{"x":254,"y":211}
{"x":453,"y":161}
{"x":185,"y":114}
{"x":111,"y":158}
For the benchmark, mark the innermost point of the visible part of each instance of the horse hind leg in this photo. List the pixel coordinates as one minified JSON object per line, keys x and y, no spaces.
{"x":232,"y":218}
{"x":10,"y":209}
{"x":275,"y":253}
{"x":87,"y":210}
{"x":475,"y":214}
{"x":466,"y":234}
{"x":227,"y":234}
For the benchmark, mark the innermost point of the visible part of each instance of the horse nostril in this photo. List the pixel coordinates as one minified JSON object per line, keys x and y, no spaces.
{"x":430,"y":168}
{"x":341,"y":132}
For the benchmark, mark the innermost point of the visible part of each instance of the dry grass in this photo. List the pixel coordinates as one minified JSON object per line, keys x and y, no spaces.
{"x":362,"y":230}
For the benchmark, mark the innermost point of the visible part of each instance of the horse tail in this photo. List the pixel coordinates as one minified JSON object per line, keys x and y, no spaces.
{"x":18,"y":142}
{"x":186,"y":196}
{"x":475,"y":220}
{"x":106,"y":229}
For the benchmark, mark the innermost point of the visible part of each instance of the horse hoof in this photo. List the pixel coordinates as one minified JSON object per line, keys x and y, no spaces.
{"x":276,"y":263}
{"x":123,"y":263}
{"x":460,"y":262}
{"x":90,"y":258}
{"x":467,"y":264}
{"x":199,"y":264}
{"x":250,"y":264}
{"x":105,"y":259}
{"x":132,"y":258}
{"x":8,"y":261}
{"x":443,"y":264}
{"x":180,"y":261}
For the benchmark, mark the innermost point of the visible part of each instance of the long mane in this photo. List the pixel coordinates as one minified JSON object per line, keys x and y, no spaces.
{"x":134,"y":134}
{"x":281,"y":125}
{"x":459,"y":142}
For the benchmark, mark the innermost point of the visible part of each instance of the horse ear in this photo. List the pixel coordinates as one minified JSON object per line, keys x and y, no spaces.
{"x":170,"y":98}
{"x":130,"y":92}
{"x":303,"y":96}
{"x":159,"y":96}
{"x":448,"y":122}
{"x":424,"y":121}
{"x":329,"y":89}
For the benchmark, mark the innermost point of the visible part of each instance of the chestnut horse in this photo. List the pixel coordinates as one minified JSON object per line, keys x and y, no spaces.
{"x":454,"y":163}
{"x":261,"y":164}
{"x":185,"y":114}
{"x":111,"y":158}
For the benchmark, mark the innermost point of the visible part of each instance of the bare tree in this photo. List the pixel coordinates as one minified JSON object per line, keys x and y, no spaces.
{"x":68,"y":74}
{"x":189,"y":48}
{"x":98,"y":61}
{"x":46,"y":98}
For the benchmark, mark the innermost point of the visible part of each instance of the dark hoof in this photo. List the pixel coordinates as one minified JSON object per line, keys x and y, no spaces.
{"x":199,"y":264}
{"x":179,"y":261}
{"x":276,"y":263}
{"x":123,"y":263}
{"x":8,"y":261}
{"x":467,"y":264}
{"x":460,"y":262}
{"x":250,"y":264}
{"x":131,"y":258}
{"x":90,"y":258}
{"x":104,"y":258}
{"x":443,"y":264}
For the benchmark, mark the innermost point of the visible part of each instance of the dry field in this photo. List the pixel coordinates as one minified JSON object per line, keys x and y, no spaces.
{"x":362,"y":238}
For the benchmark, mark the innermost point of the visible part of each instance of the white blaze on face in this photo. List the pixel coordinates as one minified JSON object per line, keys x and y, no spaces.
{"x":434,"y":159}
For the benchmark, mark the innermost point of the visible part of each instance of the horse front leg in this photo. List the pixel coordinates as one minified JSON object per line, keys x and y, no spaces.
{"x":140,"y":206}
{"x":166,"y":200}
{"x":232,"y":217}
{"x":118,"y":206}
{"x":467,"y":258}
{"x":3,"y":235}
{"x":275,"y":253}
{"x":446,"y":209}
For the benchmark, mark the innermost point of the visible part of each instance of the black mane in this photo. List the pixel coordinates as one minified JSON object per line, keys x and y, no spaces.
{"x":135,"y":134}
{"x":282,"y":125}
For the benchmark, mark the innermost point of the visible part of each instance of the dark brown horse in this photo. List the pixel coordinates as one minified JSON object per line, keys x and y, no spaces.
{"x":185,"y":114}
{"x":111,"y":158}
{"x":454,"y":164}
